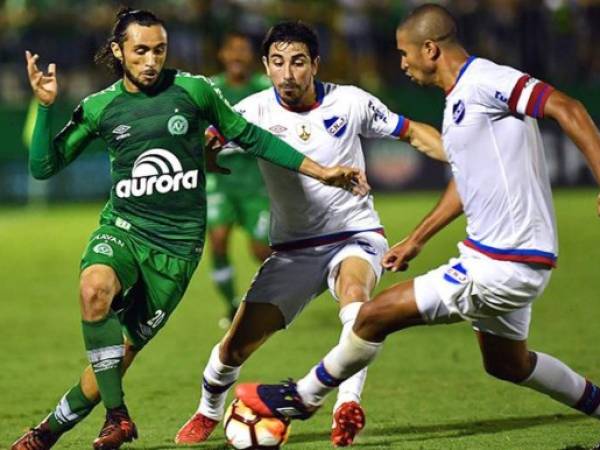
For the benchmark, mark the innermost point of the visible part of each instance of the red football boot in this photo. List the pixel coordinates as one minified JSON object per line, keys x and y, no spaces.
{"x":348,"y":420}
{"x":196,"y":430}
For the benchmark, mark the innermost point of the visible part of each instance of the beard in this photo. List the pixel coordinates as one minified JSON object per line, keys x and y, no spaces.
{"x":136,"y":81}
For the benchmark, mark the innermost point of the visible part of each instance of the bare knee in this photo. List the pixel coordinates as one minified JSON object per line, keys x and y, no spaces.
{"x":97,"y":290}
{"x":353,"y":291}
{"x":513,"y":370}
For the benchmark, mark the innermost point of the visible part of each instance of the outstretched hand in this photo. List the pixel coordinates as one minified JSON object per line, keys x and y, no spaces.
{"x":44,"y":85}
{"x":397,"y":258}
{"x":347,"y":178}
{"x":212,"y":147}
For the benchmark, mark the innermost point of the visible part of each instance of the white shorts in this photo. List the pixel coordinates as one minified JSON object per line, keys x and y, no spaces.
{"x":495,"y":296}
{"x":291,"y":279}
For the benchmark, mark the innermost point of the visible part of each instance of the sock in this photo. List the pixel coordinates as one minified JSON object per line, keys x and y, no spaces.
{"x":218,"y":378}
{"x":71,"y":409}
{"x":552,"y":377}
{"x":350,"y":390}
{"x":222,"y":275}
{"x":344,"y":360}
{"x":105,"y":350}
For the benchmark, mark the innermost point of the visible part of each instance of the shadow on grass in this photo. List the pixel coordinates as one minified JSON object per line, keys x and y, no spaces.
{"x":389,"y":435}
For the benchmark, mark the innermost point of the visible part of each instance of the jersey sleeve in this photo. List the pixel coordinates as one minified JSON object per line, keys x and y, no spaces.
{"x":47,"y":156}
{"x":511,"y":90}
{"x":376,"y":119}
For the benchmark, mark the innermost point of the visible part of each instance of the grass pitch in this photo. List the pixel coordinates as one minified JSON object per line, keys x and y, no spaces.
{"x":427,"y":389}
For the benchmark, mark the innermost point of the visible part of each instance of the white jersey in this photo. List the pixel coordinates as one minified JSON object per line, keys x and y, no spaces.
{"x":304,"y":212}
{"x":494,"y":146}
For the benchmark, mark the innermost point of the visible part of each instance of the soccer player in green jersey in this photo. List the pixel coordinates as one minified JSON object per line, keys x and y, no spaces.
{"x":138,"y":263}
{"x":242,"y":198}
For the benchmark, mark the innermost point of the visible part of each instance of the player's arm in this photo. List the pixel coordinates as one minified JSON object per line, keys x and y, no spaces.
{"x":448,"y":208}
{"x":576,"y":122}
{"x":46,"y":155}
{"x":426,"y":139}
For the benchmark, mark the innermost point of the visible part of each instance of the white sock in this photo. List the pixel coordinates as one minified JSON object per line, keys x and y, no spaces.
{"x":351,"y":389}
{"x":554,"y":378}
{"x":344,"y":360}
{"x":218,"y":378}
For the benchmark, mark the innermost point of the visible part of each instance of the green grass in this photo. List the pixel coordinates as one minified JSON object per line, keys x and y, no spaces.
{"x":427,"y":389}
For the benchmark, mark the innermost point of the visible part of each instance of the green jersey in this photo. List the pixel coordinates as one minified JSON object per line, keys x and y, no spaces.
{"x":245,"y":175}
{"x":155,"y":143}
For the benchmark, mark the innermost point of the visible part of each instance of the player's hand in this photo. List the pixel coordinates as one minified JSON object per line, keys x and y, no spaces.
{"x":397,"y":258}
{"x":352,"y":180}
{"x":44,"y":85}
{"x":212,"y":147}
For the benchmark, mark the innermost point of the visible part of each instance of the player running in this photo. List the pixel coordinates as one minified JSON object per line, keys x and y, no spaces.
{"x":323,"y":239}
{"x":139,"y":261}
{"x":242,"y":198}
{"x":501,"y":183}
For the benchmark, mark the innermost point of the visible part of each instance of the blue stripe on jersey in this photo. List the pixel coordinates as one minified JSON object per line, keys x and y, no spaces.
{"x":538,"y":101}
{"x":513,"y":254}
{"x":399,"y":126}
{"x":464,"y":68}
{"x":325,"y":377}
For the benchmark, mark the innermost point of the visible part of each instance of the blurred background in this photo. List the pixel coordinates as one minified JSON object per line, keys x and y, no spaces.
{"x":555,"y":40}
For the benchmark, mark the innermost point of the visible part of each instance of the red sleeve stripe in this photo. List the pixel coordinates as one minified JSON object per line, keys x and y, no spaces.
{"x":533,"y":98}
{"x":516,"y":93}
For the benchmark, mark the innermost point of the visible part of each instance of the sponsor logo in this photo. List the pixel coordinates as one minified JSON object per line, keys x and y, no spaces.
{"x":303,"y":130}
{"x":177,"y":125}
{"x":458,"y":112}
{"x":378,"y":113}
{"x":278,"y":129}
{"x":289,"y":411}
{"x":122,"y":223}
{"x":105,"y":364}
{"x":121,"y":132}
{"x":103,"y":249}
{"x":156,"y":170}
{"x":109,"y":238}
{"x":158,"y":318}
{"x":336,"y":126}
{"x":501,"y":97}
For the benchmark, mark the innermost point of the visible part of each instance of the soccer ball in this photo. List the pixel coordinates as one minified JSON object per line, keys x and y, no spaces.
{"x":244,"y":429}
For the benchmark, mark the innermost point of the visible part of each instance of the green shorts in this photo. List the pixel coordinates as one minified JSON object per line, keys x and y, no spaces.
{"x":251,"y":212}
{"x":152,"y":282}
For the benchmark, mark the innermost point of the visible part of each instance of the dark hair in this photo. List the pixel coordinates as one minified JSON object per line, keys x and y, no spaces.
{"x":126,"y":16}
{"x":296,"y":31}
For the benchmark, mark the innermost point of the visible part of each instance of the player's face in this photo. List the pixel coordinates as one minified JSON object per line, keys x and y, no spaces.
{"x":413,"y":60}
{"x":142,"y":54}
{"x":237,"y":55}
{"x":291,"y":70}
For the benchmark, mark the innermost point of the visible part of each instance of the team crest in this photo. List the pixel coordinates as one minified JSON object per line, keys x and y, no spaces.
{"x":336,"y":126}
{"x":177,"y":125}
{"x":303,"y":130}
{"x":458,"y":112}
{"x":103,"y":249}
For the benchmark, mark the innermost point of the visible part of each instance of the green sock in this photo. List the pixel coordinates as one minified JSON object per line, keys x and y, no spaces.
{"x":223,"y":277}
{"x":105,"y":350}
{"x":72,"y":408}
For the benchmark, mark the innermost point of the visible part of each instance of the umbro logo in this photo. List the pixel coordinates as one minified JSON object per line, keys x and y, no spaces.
{"x":278,"y":129}
{"x":122,"y":132}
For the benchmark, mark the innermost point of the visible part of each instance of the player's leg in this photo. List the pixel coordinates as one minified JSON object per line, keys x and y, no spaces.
{"x":353,"y":285}
{"x":221,"y":217}
{"x":274,"y":299}
{"x":511,"y":360}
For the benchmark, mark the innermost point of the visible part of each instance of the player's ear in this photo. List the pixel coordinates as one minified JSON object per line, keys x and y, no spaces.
{"x":116,"y":51}
{"x":431,"y":50}
{"x":265,"y":62}
{"x":315,"y":65}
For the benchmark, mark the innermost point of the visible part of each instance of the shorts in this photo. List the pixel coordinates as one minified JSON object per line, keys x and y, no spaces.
{"x":291,"y":279}
{"x":152,"y":282}
{"x":251,"y":212}
{"x":495,"y":296}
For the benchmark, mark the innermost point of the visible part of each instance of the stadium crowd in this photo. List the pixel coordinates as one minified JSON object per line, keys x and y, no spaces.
{"x":552,"y":38}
